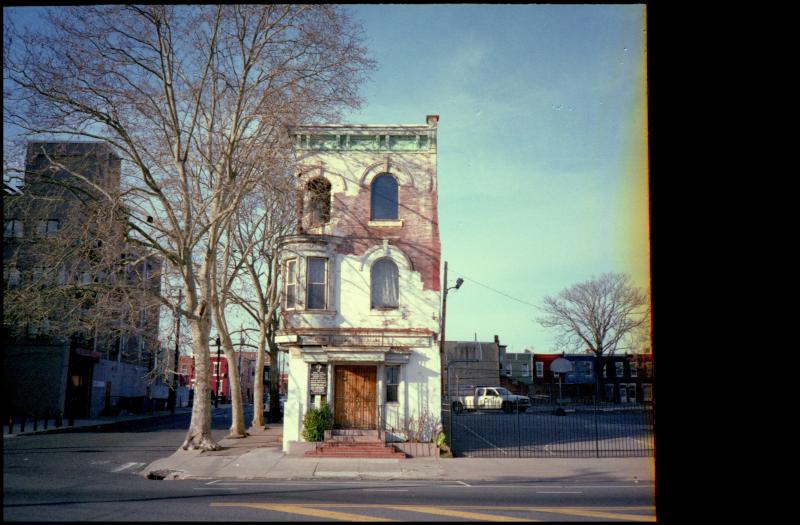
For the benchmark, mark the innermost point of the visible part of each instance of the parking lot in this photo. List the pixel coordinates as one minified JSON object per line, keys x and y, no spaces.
{"x":583,"y":431}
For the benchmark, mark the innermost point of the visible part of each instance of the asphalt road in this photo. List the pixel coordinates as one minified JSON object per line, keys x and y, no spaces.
{"x":92,"y":475}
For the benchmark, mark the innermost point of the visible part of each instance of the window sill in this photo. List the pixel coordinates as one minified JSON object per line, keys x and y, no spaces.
{"x":386,"y":223}
{"x":319,"y":312}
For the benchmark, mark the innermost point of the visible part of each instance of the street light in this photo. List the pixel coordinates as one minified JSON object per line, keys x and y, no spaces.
{"x":458,"y":284}
{"x":219,"y":376}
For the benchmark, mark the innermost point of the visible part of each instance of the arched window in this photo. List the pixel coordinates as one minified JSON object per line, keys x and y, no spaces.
{"x":318,"y":201}
{"x":384,"y":198}
{"x":385,"y":289}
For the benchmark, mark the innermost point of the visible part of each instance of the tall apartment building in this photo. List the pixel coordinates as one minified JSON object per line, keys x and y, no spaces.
{"x":50,"y":364}
{"x":361,"y":285}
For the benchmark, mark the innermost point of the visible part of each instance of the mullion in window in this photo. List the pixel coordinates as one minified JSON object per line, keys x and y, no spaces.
{"x":316,"y":283}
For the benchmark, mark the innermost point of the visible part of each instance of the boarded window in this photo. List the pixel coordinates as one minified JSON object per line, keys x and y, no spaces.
{"x":385,"y":284}
{"x":384,"y":198}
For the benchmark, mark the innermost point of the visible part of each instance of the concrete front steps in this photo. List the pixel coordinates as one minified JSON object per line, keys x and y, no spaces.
{"x":354,"y":444}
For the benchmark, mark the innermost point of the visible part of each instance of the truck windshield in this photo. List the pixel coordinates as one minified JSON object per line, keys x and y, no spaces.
{"x":502,"y":391}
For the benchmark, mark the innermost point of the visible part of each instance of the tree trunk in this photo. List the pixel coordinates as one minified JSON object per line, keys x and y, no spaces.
{"x":237,"y":429}
{"x":199,"y":433}
{"x":258,"y":386}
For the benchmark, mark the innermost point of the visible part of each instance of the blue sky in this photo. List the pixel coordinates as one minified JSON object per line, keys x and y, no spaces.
{"x":542,"y":147}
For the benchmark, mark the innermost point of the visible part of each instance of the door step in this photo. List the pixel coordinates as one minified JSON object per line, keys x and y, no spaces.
{"x":355,"y":436}
{"x":338,"y":449}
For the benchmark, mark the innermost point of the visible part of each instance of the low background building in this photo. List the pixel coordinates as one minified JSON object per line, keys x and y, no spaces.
{"x":468,"y":364}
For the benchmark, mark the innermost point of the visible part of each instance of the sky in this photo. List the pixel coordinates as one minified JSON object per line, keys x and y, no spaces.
{"x":542,"y":148}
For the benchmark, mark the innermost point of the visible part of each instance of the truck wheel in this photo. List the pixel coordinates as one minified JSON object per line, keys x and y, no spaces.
{"x":458,"y":407}
{"x":507,"y":408}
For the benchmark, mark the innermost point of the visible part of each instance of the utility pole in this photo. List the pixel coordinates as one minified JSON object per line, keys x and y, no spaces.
{"x":173,"y":392}
{"x":459,"y":282}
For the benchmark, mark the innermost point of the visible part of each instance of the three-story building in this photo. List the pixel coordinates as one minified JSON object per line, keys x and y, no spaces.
{"x":361,"y":285}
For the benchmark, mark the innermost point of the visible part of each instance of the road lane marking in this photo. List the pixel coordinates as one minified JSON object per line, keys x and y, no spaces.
{"x":586,"y":513}
{"x":452,"y":513}
{"x":461,"y":511}
{"x":303,"y":511}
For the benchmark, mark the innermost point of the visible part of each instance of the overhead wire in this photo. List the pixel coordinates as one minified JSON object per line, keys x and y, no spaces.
{"x":493,"y":289}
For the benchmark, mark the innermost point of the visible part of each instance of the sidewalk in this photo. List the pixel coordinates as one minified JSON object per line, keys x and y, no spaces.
{"x":83,"y":423}
{"x":259,"y":457}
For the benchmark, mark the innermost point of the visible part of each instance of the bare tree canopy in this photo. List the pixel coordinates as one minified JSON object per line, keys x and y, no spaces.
{"x":597,"y":314}
{"x":195,"y":100}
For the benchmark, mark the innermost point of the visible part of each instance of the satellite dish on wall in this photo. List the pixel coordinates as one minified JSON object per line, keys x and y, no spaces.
{"x":561,"y":365}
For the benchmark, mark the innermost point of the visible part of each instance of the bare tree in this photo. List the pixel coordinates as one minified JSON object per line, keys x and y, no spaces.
{"x":596,"y":315}
{"x":188,"y":96}
{"x":269,"y":215}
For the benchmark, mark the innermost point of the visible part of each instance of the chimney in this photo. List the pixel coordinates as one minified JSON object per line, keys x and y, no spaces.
{"x":432,"y":120}
{"x":497,"y":340}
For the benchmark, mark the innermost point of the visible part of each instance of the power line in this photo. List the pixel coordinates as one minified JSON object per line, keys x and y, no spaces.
{"x":493,"y":289}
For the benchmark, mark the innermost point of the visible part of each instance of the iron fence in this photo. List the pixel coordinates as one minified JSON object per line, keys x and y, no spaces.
{"x":549,"y":428}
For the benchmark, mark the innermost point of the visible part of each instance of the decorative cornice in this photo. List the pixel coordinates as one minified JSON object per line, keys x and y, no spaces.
{"x":350,"y":137}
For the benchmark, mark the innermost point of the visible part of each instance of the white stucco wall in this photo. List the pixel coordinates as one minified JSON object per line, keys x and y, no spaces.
{"x":350,"y":173}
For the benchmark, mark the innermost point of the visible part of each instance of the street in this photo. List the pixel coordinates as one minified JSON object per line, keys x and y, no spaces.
{"x":92,"y":474}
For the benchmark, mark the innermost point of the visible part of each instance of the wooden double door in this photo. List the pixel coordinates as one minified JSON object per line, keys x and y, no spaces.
{"x":355,"y":397}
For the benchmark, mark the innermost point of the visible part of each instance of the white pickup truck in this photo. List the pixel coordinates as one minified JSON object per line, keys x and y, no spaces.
{"x":491,"y":398}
